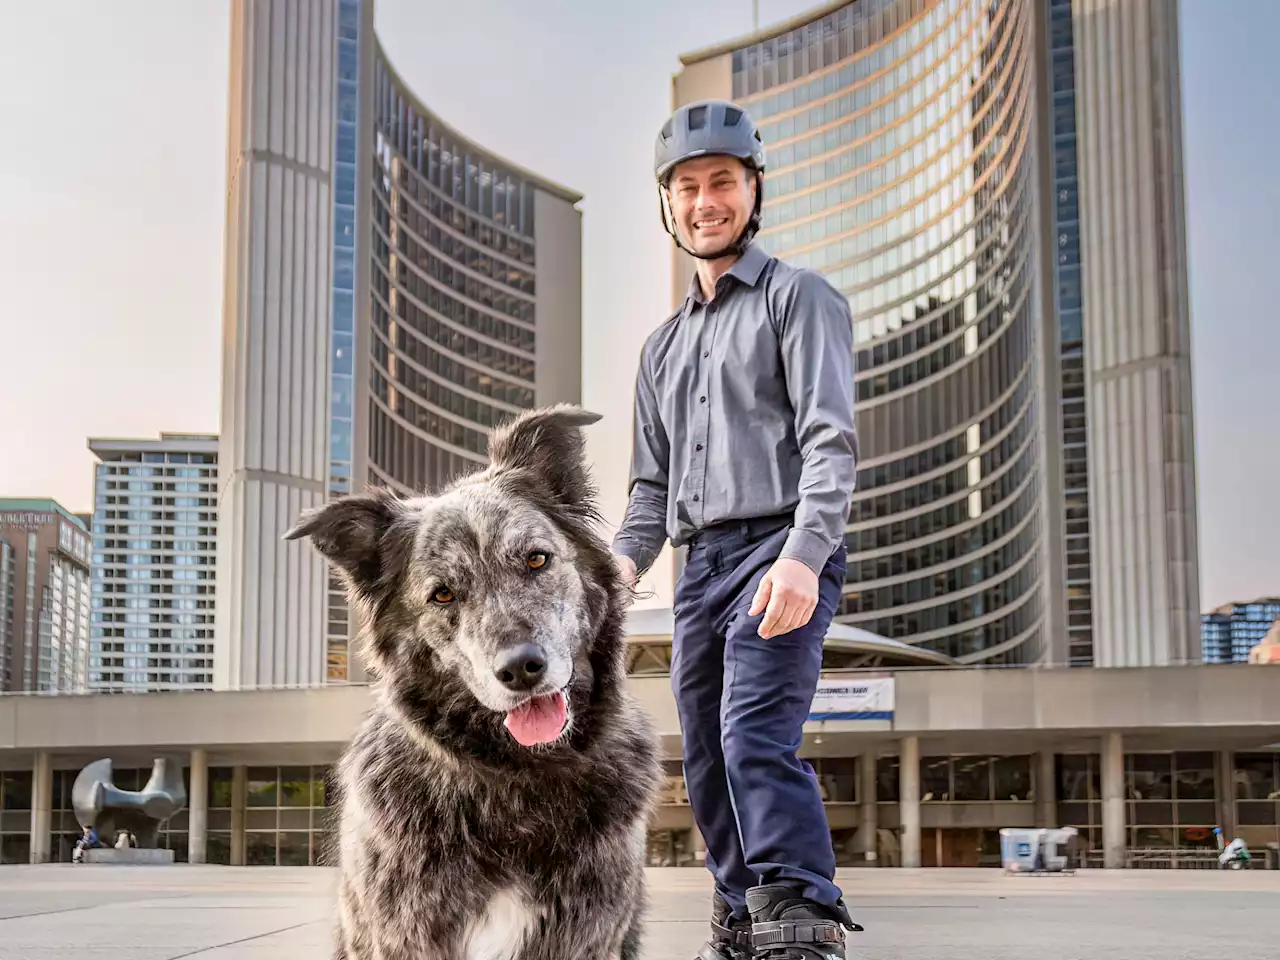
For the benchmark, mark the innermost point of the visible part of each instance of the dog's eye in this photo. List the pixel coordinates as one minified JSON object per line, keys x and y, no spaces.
{"x":442,"y":596}
{"x":536,"y":560}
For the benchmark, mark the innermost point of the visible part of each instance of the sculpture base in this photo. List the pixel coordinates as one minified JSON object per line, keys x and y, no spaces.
{"x":131,"y":855}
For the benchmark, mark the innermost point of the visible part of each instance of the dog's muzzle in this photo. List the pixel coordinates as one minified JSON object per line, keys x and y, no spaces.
{"x":521,"y":668}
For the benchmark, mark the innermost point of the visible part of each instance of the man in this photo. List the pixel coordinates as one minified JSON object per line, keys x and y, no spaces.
{"x":745,"y":450}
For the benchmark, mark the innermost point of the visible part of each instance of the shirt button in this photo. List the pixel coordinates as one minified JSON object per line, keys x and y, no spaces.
{"x":706,"y":353}
{"x":695,"y":498}
{"x":702,"y":399}
{"x":698,"y":447}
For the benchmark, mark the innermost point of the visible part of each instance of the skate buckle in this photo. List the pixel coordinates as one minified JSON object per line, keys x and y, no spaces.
{"x":845,"y":919}
{"x":737,"y":936}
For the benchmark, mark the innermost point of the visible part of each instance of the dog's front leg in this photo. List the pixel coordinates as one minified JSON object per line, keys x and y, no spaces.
{"x":630,"y":949}
{"x":603,"y":939}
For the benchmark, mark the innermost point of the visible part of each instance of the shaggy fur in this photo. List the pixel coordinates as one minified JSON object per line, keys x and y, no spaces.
{"x":458,"y":843}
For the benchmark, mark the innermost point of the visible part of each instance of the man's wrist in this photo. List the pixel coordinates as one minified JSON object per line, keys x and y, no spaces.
{"x":808,"y":547}
{"x":633,"y":552}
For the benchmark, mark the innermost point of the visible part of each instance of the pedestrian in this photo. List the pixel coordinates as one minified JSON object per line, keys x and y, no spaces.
{"x":87,"y":840}
{"x":745,"y":450}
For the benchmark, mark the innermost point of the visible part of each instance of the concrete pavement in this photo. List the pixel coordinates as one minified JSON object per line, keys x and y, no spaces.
{"x":261,"y":913}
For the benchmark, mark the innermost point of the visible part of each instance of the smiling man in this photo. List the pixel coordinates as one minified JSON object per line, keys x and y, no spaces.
{"x":745,"y":450}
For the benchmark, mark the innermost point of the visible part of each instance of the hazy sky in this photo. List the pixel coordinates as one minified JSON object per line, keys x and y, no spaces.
{"x":113,"y":177}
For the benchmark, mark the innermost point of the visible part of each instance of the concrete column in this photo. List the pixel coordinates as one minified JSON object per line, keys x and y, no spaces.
{"x":42,"y":808}
{"x":1225,"y":793}
{"x":198,"y":808}
{"x":1114,"y":845}
{"x":909,"y":799}
{"x":239,"y":784}
{"x":868,"y":811}
{"x":1046,"y":789}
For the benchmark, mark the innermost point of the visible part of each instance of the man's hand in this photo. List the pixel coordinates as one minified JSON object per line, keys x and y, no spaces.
{"x":788,"y":594}
{"x":627,"y":570}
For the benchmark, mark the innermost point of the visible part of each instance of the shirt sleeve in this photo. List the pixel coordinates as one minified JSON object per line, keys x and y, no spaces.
{"x":644,"y":525}
{"x":816,"y":338}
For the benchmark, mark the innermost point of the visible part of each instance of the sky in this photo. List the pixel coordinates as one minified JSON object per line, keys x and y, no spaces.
{"x":112,"y":208}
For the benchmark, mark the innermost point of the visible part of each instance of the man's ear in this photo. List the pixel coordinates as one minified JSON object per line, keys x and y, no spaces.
{"x":548,"y":445}
{"x":350,"y":532}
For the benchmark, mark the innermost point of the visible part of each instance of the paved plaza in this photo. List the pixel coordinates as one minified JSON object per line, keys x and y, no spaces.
{"x":263,"y":913}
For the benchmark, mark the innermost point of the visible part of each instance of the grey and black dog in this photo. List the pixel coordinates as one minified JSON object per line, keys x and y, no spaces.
{"x":495,"y":801}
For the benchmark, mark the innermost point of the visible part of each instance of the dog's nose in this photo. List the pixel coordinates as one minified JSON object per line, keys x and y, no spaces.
{"x":520,"y":668}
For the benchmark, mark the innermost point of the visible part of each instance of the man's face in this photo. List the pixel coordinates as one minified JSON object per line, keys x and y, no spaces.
{"x":711,"y":200}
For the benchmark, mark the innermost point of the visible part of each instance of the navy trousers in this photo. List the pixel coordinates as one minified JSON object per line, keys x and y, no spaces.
{"x":743,"y":702}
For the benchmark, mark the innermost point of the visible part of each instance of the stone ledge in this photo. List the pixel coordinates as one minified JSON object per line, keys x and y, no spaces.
{"x":130,"y":855}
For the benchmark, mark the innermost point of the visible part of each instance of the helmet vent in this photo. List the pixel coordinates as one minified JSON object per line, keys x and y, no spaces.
{"x":732,"y":116}
{"x":697,"y":118}
{"x":667,"y":130}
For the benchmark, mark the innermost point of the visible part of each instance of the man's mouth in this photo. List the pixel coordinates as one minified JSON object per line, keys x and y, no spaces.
{"x":539,"y":719}
{"x":710,"y":223}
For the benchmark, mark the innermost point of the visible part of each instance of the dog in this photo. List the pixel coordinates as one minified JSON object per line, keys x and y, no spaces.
{"x":494,"y":803}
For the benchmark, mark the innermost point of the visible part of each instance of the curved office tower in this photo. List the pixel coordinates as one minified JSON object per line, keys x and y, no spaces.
{"x":475,"y":312}
{"x":911,"y":153}
{"x":392,"y":290}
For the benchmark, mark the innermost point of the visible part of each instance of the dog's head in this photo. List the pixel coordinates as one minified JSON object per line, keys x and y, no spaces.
{"x":494,"y":603}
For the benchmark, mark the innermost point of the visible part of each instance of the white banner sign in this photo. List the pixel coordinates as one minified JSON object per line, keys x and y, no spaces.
{"x":854,"y":698}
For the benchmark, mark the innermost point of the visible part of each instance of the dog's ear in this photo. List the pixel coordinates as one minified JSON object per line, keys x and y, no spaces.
{"x":548,"y":444}
{"x":350,"y":533}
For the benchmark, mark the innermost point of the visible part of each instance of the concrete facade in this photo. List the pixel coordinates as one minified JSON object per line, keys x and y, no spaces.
{"x":276,"y":341}
{"x":1137,"y":333}
{"x":1056,"y":720}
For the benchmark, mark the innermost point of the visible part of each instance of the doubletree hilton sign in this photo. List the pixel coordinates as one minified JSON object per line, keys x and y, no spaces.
{"x":26,"y":520}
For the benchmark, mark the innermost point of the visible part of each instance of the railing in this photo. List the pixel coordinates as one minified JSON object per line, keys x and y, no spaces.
{"x":1161,"y":858}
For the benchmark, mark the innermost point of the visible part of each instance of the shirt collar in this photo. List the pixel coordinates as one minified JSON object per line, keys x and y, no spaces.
{"x":746,"y":269}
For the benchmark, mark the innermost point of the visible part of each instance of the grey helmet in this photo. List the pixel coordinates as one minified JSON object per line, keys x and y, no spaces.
{"x":709,"y":128}
{"x":705,"y":128}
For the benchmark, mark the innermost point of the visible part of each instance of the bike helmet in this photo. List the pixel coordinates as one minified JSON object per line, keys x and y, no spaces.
{"x":709,"y":128}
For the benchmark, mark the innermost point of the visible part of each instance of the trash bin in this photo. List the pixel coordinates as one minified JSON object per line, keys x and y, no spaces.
{"x":1036,"y":850}
{"x":1019,"y":849}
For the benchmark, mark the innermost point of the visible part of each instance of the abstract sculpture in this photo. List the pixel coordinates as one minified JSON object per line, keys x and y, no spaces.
{"x":98,"y":803}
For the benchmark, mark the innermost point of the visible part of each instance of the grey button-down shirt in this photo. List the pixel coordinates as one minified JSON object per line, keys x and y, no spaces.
{"x":744,"y":409}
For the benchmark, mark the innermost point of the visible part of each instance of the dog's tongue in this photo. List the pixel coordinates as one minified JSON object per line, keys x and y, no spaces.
{"x":539,"y":720}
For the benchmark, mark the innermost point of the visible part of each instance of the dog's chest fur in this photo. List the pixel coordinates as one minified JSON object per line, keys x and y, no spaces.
{"x":501,"y":931}
{"x":444,"y":862}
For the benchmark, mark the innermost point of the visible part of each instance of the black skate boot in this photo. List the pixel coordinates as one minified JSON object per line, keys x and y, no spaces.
{"x":786,"y":926}
{"x":730,"y":937}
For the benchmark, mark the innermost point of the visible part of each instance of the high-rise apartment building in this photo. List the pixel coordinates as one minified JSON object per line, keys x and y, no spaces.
{"x":1231,"y":632}
{"x":392,"y":290}
{"x":996,"y":185}
{"x":155,"y":523}
{"x":44,"y":597}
